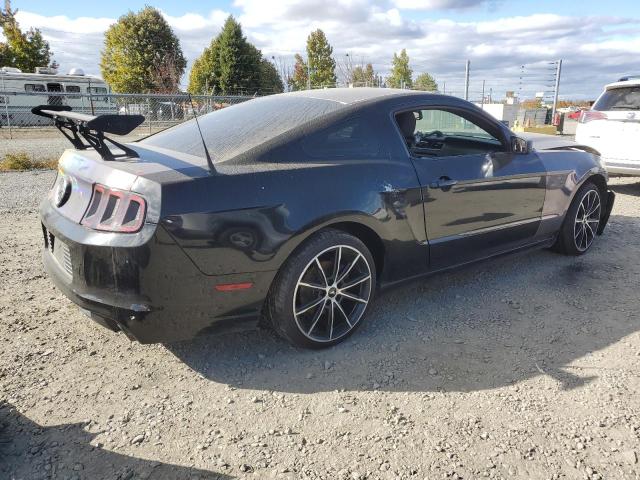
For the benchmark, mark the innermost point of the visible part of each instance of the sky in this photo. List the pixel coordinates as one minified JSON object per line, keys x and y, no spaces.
{"x":512,"y":45}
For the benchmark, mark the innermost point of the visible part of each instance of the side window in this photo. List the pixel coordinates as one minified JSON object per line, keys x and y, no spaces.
{"x":98,"y":91}
{"x":73,"y":89}
{"x":441,"y":133}
{"x":34,"y":87}
{"x":352,"y":138}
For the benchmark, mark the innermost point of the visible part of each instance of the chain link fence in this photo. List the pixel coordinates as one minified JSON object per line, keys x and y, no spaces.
{"x":160,"y":111}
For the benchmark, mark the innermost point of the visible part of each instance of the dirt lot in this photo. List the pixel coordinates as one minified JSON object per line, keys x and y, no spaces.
{"x":526,"y":367}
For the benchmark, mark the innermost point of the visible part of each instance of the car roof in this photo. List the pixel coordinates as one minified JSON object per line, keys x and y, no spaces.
{"x":350,"y":96}
{"x":632,"y":82}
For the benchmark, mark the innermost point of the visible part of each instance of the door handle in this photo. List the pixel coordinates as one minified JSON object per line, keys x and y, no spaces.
{"x":444,"y":183}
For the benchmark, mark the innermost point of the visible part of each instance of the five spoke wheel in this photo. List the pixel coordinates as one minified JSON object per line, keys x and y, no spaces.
{"x":332,"y":293}
{"x":587,"y":220}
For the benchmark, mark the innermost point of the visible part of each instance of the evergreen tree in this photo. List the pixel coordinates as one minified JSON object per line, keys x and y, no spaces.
{"x":425,"y":82}
{"x":401,"y":73}
{"x":134,"y":48}
{"x":25,"y":51}
{"x":238,"y":60}
{"x":270,"y":81}
{"x":363,"y":76}
{"x":321,"y":64}
{"x":231,"y":64}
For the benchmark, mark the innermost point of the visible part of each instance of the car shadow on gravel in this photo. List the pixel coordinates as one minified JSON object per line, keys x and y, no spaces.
{"x":29,"y":450}
{"x":494,"y":324}
{"x":632,"y":189}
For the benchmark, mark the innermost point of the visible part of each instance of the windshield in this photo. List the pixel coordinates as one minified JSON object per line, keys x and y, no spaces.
{"x":625,"y":98}
{"x":231,"y":131}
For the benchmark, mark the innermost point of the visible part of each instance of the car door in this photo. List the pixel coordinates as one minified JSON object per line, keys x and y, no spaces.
{"x":480,"y":197}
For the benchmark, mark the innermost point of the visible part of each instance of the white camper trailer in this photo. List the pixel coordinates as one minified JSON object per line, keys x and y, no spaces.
{"x":20,"y":92}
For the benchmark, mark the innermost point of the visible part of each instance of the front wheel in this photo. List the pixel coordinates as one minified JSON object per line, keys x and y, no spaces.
{"x":581,"y":223}
{"x":323,"y":291}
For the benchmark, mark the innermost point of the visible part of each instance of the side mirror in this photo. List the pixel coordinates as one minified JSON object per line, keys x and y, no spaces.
{"x":520,"y":145}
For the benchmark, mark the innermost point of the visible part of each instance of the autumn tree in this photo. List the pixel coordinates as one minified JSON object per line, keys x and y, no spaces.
{"x":531,"y":104}
{"x":300,"y":78}
{"x":25,"y":51}
{"x":401,"y":73}
{"x":135,"y":47}
{"x":425,"y":82}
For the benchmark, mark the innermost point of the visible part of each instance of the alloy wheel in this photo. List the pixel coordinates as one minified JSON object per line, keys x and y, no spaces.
{"x":332,"y":293}
{"x":587,"y":220}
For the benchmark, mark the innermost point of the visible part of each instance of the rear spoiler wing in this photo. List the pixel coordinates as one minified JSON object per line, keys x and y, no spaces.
{"x":92,"y":128}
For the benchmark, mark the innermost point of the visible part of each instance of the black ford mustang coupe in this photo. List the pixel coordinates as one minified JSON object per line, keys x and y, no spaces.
{"x":295,"y":209}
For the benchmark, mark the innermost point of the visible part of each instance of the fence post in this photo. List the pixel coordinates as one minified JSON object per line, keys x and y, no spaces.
{"x":6,"y":107}
{"x":149,"y":113}
{"x":466,"y":80}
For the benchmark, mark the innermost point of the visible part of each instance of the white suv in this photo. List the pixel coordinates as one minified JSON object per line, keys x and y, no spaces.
{"x":612,"y":126}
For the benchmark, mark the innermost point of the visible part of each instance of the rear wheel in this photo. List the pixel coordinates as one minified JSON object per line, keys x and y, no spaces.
{"x":581,"y":223}
{"x":323,"y":291}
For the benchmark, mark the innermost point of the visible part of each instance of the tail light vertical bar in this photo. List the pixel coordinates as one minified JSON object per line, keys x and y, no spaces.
{"x":115,"y":221}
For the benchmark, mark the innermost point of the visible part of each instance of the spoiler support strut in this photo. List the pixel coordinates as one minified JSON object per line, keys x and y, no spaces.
{"x":92,"y":128}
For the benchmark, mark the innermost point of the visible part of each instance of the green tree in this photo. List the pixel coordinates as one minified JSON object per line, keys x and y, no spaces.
{"x":134,"y":48}
{"x":321,"y":64}
{"x":25,"y":51}
{"x":363,"y":76}
{"x":401,"y":73}
{"x":238,"y":60}
{"x":270,"y":81}
{"x":231,"y":64}
{"x":425,"y":82}
{"x":203,"y":78}
{"x":300,"y":78}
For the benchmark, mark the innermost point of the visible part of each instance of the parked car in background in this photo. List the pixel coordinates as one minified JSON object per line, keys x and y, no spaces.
{"x":612,"y":126}
{"x":576,"y":114}
{"x":297,"y":208}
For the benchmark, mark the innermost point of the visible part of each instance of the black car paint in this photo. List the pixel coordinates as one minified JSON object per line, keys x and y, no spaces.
{"x":242,"y":223}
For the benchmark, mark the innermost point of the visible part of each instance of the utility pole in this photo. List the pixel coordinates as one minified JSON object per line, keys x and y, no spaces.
{"x":466,"y":80}
{"x":308,"y":75}
{"x":444,"y":88}
{"x":555,"y":93}
{"x":482,"y":101}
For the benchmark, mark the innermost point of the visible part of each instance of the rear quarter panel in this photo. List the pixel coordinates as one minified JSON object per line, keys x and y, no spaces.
{"x":251,"y":218}
{"x":567,"y":170}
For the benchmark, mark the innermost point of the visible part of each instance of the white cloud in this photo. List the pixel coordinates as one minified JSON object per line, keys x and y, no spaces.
{"x":595,"y":50}
{"x":439,"y":4}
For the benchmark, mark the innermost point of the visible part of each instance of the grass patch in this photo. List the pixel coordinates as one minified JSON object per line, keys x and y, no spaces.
{"x":21,"y":161}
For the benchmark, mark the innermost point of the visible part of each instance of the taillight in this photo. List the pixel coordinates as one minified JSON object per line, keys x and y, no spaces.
{"x":113,"y":210}
{"x":591,"y":115}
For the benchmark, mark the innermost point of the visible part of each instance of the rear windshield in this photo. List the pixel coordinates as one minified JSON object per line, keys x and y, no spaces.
{"x":231,"y":131}
{"x":626,"y":98}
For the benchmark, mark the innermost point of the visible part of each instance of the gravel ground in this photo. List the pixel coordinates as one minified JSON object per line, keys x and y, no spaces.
{"x":525,"y":367}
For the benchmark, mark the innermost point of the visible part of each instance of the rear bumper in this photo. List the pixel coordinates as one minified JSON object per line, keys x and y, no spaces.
{"x":147,"y":287}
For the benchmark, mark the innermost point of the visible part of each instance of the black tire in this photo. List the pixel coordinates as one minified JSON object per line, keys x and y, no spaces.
{"x":301,"y":283}
{"x":570,"y":241}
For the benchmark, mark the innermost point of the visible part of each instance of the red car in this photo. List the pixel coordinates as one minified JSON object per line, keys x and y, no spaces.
{"x":575,"y":115}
